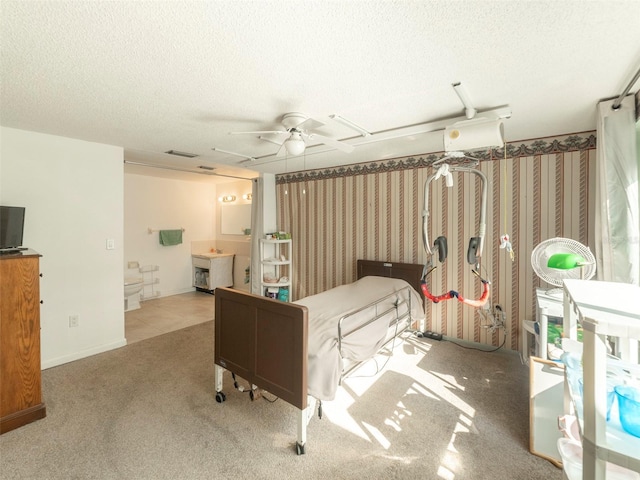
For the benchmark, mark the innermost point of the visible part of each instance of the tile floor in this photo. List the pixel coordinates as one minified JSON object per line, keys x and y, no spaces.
{"x":166,"y":314}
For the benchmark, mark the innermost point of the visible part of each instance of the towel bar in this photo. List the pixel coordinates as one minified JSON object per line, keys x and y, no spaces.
{"x":151,"y":230}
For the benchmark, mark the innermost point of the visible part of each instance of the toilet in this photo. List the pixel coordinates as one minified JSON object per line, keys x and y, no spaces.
{"x":132,"y":288}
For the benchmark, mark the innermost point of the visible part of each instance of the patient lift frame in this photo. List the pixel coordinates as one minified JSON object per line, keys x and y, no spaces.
{"x":476,"y":243}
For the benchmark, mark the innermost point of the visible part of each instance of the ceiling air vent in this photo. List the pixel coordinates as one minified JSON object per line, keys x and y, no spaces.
{"x":181,"y":154}
{"x":204,"y":167}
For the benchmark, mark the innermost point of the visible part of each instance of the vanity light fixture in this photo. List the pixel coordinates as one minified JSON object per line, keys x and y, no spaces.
{"x":227,"y":198}
{"x":247,"y":196}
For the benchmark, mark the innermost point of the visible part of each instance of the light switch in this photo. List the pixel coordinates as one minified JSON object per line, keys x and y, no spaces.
{"x":111,"y":244}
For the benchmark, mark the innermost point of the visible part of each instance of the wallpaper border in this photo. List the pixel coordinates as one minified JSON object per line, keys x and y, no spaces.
{"x":539,"y":146}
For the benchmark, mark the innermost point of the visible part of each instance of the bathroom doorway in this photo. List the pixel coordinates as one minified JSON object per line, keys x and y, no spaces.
{"x":167,"y":314}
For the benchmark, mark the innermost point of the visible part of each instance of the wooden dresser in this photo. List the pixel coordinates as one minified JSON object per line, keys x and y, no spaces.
{"x":20,"y":364}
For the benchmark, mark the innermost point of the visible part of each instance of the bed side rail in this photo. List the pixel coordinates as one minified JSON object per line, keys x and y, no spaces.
{"x":403,"y":298}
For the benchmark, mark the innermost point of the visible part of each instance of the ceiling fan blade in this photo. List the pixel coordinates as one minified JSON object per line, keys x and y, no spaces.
{"x":270,"y":140}
{"x":282,"y":151}
{"x":309,"y":124}
{"x":337,"y":144}
{"x":260,"y":132}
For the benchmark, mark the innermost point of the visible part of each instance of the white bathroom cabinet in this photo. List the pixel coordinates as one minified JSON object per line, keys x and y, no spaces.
{"x":212,"y":270}
{"x":275,"y":265}
{"x":607,"y":312}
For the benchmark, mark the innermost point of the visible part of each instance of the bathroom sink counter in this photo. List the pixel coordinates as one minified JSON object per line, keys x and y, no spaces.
{"x":208,"y":255}
{"x":212,"y":270}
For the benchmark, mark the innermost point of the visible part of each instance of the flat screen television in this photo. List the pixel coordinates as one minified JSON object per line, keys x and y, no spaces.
{"x":11,"y":227}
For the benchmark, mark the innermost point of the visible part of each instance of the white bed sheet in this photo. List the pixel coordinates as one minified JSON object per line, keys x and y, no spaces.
{"x":326,"y":308}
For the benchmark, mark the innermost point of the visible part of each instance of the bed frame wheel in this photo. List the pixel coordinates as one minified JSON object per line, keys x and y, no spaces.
{"x":220,"y":397}
{"x":299,"y":449}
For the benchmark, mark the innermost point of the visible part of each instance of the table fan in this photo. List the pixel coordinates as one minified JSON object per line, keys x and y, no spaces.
{"x":558,"y":259}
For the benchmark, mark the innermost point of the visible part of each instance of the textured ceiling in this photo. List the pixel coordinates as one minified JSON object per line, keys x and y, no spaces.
{"x":154,"y":76}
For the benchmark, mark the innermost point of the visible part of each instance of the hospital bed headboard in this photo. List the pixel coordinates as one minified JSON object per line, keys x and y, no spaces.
{"x":409,"y":272}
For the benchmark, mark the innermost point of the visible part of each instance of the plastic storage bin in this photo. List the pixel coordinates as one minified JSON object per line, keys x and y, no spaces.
{"x":571,"y":454}
{"x":611,"y":395}
{"x":629,"y":408}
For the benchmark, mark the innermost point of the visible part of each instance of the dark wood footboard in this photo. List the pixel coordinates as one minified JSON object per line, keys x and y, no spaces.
{"x":264,"y":341}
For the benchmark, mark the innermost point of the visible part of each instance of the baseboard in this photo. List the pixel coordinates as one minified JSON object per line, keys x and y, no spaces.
{"x":54,"y":362}
{"x":18,"y":419}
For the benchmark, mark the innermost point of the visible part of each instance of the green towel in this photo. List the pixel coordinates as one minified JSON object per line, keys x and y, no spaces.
{"x":170,"y":237}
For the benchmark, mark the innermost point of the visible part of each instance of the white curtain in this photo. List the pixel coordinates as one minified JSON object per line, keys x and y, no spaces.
{"x":617,"y":220}
{"x":257,"y":232}
{"x":263,"y":215}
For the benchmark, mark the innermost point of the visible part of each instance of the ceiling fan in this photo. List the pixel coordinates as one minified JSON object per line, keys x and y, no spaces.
{"x":298,"y":129}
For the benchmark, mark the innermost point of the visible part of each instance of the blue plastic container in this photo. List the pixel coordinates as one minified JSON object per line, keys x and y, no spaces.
{"x":629,"y":406}
{"x":611,"y":396}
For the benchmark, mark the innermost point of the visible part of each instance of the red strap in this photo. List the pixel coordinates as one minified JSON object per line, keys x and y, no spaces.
{"x":434,"y":298}
{"x":452,"y":293}
{"x":479,"y":302}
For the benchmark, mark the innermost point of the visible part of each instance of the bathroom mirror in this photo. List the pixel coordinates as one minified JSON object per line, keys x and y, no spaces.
{"x":235,"y":219}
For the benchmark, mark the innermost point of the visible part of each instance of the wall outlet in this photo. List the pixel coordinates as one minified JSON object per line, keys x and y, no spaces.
{"x":74,"y":320}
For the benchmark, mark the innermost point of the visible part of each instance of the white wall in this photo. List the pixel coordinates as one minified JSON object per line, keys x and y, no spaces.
{"x":73,"y":194}
{"x":161,"y":203}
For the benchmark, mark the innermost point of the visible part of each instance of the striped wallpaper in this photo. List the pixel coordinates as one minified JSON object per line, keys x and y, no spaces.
{"x":373,"y":211}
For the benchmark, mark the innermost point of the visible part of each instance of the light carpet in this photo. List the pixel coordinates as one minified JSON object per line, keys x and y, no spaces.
{"x":148,"y":411}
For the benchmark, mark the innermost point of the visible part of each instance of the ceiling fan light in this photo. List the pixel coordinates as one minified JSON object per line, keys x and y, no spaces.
{"x":294,"y":146}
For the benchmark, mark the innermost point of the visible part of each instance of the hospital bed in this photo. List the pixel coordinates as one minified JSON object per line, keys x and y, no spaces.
{"x":302,"y":350}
